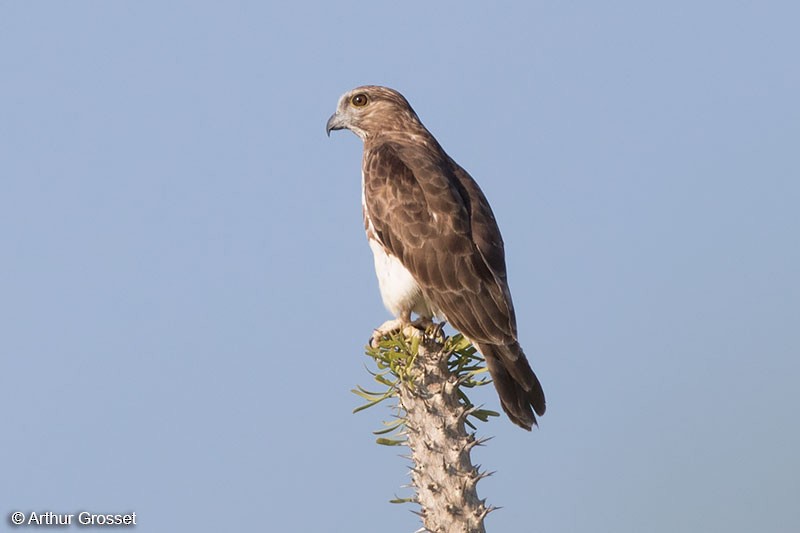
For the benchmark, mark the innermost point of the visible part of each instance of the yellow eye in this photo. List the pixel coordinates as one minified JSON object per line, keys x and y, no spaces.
{"x":359,"y":100}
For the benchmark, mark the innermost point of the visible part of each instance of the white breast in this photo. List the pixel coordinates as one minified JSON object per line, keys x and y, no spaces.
{"x":400,"y":292}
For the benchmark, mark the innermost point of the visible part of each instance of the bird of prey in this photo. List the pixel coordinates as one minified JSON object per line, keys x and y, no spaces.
{"x":437,"y":248}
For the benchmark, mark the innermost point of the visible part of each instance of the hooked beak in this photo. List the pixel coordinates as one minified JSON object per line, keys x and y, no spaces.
{"x":334,"y":123}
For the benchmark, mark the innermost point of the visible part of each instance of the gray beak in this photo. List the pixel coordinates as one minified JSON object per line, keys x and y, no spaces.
{"x":334,"y":123}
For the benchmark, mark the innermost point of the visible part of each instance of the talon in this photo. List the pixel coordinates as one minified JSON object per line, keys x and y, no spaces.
{"x":437,"y":330}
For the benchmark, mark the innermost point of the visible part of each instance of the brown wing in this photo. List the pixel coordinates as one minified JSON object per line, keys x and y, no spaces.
{"x":486,"y":236}
{"x":432,"y":216}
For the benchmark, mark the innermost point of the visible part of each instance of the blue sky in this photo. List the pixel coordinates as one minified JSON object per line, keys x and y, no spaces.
{"x":185,"y":287}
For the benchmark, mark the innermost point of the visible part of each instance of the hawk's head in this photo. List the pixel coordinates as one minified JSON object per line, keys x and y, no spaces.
{"x":371,"y":109}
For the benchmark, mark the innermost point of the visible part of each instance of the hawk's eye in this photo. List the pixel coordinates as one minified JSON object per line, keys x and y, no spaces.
{"x":359,"y":100}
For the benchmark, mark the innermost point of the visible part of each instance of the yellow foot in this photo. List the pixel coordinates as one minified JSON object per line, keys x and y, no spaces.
{"x":428,"y":326}
{"x":386,"y":329}
{"x":423,"y":323}
{"x":409,"y":328}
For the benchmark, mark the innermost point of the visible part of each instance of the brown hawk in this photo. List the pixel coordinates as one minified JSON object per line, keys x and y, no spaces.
{"x":438,"y":250}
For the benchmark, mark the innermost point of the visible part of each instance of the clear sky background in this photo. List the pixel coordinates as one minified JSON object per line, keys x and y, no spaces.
{"x":185,"y":286}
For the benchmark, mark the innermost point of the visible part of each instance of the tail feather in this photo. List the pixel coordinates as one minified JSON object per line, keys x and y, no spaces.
{"x":520,"y":392}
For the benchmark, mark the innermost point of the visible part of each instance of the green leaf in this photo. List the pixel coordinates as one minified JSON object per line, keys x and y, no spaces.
{"x":392,"y":426}
{"x":415,"y":345}
{"x":484,"y":414}
{"x":364,"y":393}
{"x":390,"y":442}
{"x":383,"y":381}
{"x":367,"y":405}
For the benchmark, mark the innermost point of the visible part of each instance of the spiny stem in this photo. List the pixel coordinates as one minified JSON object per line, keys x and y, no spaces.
{"x":428,"y":373}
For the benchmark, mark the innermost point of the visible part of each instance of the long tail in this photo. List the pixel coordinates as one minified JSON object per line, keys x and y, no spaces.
{"x":520,"y":392}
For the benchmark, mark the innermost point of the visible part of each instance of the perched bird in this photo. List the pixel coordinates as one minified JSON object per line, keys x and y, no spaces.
{"x":438,"y":250}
